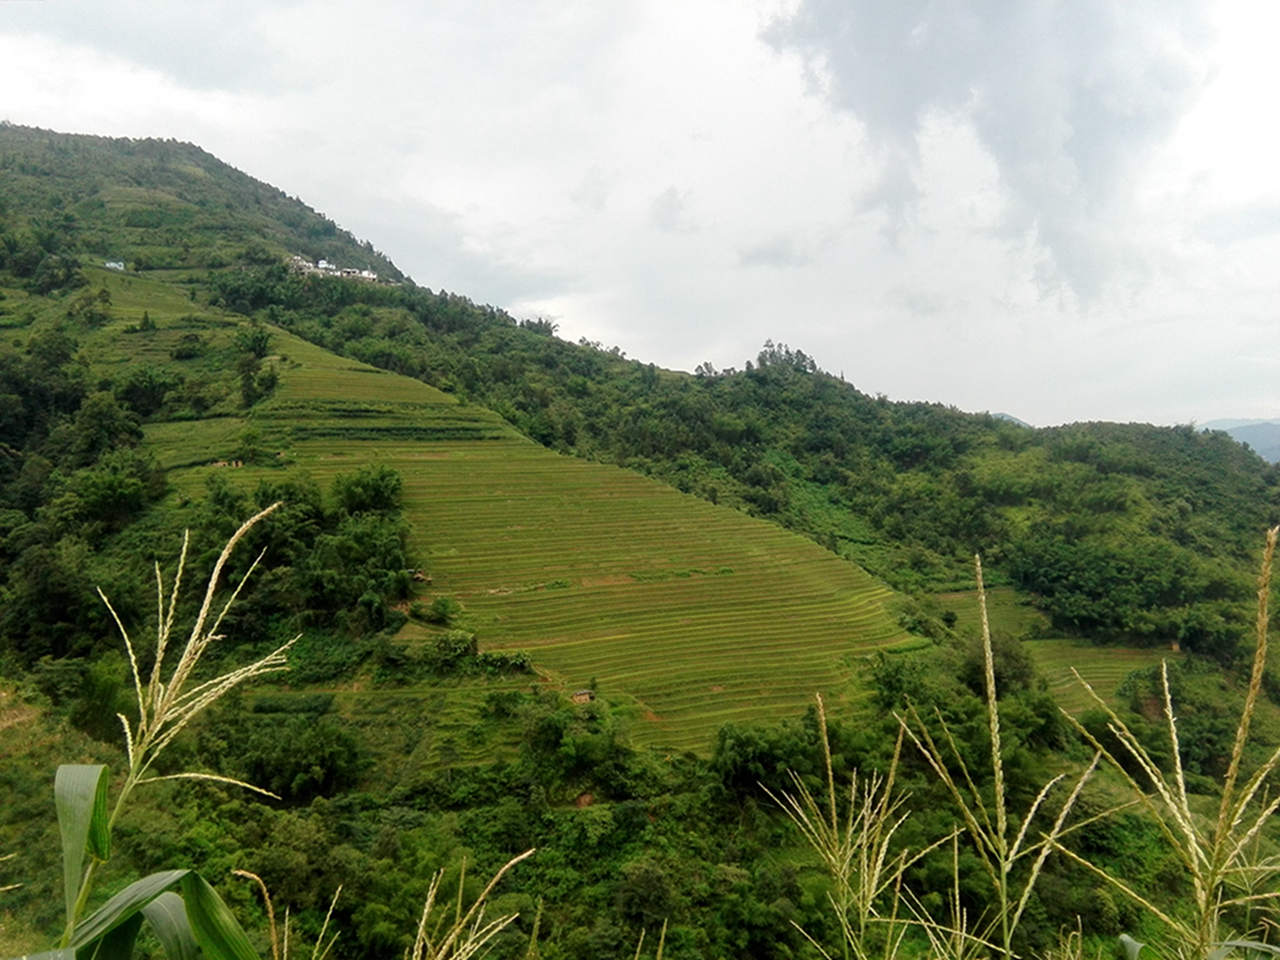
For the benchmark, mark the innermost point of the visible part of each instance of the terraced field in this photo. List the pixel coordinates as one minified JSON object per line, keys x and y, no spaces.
{"x":693,"y":614}
{"x":1103,"y":667}
{"x":1006,"y":611}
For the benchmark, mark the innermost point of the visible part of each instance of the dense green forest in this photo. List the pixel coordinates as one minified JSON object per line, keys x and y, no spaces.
{"x":1122,"y":534}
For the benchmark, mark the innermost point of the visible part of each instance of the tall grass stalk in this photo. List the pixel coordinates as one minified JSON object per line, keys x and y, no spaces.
{"x":1220,"y":854}
{"x":1000,"y":849}
{"x":5,"y":888}
{"x":953,"y":939}
{"x":167,"y":704}
{"x":857,"y":850}
{"x":469,"y":932}
{"x":662,"y":940}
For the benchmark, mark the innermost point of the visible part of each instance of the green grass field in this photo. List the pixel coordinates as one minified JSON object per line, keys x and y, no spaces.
{"x":688,"y":613}
{"x":1006,"y":611}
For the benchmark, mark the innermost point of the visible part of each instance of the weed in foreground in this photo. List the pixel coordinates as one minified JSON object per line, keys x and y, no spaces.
{"x":999,"y":848}
{"x":1234,"y":898}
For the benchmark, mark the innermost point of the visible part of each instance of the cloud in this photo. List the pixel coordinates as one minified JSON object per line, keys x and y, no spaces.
{"x":669,"y":212}
{"x":780,"y":251}
{"x":1069,"y":97}
{"x":1239,"y":223}
{"x":210,"y":46}
{"x":950,"y":200}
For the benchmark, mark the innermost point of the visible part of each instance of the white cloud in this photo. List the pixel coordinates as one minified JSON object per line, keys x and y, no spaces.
{"x":1065,"y":211}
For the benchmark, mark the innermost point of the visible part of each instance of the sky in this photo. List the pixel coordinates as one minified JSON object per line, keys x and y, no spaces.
{"x":1058,"y":210}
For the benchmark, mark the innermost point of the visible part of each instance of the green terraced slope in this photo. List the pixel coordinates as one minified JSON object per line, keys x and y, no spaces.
{"x":692,"y":613}
{"x":1104,"y":668}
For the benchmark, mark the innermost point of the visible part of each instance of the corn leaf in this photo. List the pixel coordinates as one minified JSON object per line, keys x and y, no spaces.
{"x":167,"y":915}
{"x":116,"y":945}
{"x":1131,"y":946}
{"x":1249,"y":945}
{"x":124,"y":905}
{"x":214,"y":927}
{"x":65,"y":953}
{"x":80,"y":795}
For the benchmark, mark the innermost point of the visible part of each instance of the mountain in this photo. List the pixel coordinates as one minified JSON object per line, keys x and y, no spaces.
{"x":163,"y":205}
{"x":907,"y":491}
{"x":546,"y":595}
{"x":606,"y":578}
{"x":1261,"y":436}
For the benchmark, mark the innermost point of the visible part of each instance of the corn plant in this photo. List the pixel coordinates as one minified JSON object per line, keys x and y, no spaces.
{"x":1220,"y":854}
{"x":182,"y":910}
{"x":194,"y":918}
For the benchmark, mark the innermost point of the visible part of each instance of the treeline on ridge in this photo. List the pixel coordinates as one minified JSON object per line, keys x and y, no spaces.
{"x":908,"y":490}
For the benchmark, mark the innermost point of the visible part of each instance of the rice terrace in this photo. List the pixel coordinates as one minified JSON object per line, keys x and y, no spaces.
{"x":603,"y":575}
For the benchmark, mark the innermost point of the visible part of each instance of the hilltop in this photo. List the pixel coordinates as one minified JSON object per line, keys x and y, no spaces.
{"x":159,"y":205}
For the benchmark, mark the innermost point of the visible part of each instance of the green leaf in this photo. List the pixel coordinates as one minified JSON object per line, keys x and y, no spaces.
{"x":116,"y":945}
{"x":80,"y":795}
{"x":1131,"y":946}
{"x":216,"y":930}
{"x":1250,"y":945}
{"x":66,"y":953}
{"x":124,"y":905}
{"x":167,"y":915}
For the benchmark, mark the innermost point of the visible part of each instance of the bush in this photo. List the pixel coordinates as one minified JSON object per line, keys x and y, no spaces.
{"x":373,"y":489}
{"x":442,"y":610}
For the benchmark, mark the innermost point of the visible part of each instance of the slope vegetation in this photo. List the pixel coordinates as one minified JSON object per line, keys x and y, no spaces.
{"x":693,"y":612}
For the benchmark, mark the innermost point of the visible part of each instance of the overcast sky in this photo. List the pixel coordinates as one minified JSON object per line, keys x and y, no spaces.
{"x":1060,"y":210}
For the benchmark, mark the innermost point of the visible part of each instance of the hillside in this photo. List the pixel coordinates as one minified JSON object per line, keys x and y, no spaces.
{"x":906,"y":491}
{"x":605,"y":577}
{"x":1261,"y":436}
{"x":160,"y":205}
{"x":909,"y":491}
{"x":547,"y":595}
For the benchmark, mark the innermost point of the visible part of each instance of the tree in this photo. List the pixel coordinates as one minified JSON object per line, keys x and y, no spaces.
{"x":254,"y":339}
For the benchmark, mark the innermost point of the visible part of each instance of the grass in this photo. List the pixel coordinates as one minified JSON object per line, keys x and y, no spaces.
{"x":1010,"y":614}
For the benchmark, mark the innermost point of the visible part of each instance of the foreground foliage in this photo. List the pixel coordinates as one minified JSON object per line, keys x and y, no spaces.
{"x":183,"y":912}
{"x":1228,"y":909}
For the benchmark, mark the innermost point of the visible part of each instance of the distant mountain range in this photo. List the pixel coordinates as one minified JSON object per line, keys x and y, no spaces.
{"x":1010,"y":418}
{"x":1261,"y":436}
